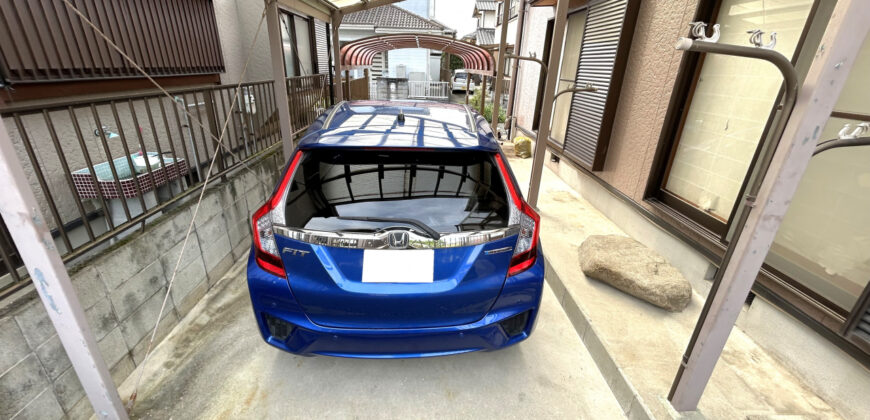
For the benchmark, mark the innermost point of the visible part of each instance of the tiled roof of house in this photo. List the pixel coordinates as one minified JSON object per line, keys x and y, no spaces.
{"x":392,"y":17}
{"x":486,"y":5}
{"x":485,"y":36}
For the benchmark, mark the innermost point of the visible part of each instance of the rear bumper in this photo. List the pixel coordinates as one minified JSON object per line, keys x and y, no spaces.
{"x":271,"y":297}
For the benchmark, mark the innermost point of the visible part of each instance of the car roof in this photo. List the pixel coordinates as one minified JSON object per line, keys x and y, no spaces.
{"x":376,"y":124}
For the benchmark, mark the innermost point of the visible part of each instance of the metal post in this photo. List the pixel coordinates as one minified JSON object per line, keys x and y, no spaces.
{"x":547,"y":104}
{"x":502,"y":60}
{"x":32,"y":238}
{"x":282,"y":100}
{"x":521,"y":18}
{"x":838,"y":49}
{"x":347,"y":77}
{"x":336,"y":58}
{"x":368,"y":76}
{"x":542,"y":73}
{"x":482,"y":94}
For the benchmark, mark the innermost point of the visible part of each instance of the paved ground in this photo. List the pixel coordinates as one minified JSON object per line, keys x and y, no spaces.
{"x":458,"y":97}
{"x":214,"y":365}
{"x":643,"y":344}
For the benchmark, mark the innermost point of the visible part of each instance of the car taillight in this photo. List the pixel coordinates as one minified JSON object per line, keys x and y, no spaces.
{"x":265,"y":248}
{"x":521,"y":213}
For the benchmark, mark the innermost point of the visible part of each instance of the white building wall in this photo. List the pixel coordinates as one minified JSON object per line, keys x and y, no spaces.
{"x":237,"y":22}
{"x":488,"y":20}
{"x":528,"y":73}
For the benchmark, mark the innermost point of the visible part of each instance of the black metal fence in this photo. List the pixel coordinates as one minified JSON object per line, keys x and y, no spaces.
{"x":103,"y":167}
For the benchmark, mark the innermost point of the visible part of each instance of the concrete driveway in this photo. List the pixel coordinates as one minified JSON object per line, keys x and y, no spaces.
{"x":215,"y":365}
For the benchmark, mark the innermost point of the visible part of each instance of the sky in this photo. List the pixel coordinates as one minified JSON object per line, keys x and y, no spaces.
{"x":456,"y":14}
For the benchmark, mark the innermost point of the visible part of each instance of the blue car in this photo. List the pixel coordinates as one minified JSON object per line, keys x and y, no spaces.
{"x":396,"y":230}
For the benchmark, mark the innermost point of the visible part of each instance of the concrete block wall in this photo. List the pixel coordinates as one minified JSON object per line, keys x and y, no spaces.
{"x":122,"y":290}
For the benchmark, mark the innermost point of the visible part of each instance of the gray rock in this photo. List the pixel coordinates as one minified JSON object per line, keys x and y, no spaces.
{"x":630,"y":266}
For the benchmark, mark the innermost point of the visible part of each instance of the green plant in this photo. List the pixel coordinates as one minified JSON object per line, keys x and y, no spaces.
{"x":474,"y":102}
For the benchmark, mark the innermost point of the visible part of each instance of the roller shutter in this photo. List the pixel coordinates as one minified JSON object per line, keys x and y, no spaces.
{"x":606,"y":41}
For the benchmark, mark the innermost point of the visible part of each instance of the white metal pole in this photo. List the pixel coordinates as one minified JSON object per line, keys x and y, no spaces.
{"x":282,"y":100}
{"x":839,"y":47}
{"x":547,"y":103}
{"x":35,"y":245}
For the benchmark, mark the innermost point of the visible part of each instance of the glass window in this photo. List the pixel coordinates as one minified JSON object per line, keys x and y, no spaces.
{"x":448,"y":191}
{"x":567,"y":73}
{"x":287,"y":41}
{"x":731,"y":105}
{"x":303,"y":46}
{"x":824,"y":240}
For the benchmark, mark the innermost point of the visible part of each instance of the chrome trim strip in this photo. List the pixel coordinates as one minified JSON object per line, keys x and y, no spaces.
{"x":498,"y":250}
{"x":381,"y":240}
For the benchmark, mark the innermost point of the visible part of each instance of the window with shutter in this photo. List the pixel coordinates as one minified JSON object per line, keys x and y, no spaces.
{"x":603,"y":56}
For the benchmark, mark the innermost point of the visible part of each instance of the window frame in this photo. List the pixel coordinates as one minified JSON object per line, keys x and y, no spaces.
{"x":835,"y":324}
{"x":675,"y":118}
{"x":561,"y":77}
{"x":290,"y":15}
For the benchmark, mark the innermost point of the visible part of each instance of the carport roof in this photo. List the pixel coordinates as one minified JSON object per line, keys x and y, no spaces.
{"x":360,"y":53}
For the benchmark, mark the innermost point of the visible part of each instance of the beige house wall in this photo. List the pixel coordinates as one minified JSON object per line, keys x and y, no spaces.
{"x":649,"y":79}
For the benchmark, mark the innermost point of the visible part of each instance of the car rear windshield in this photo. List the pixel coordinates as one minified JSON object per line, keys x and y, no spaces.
{"x":460,"y":76}
{"x":447,"y":191}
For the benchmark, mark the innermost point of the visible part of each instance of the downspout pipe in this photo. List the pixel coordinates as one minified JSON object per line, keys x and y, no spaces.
{"x":790,"y":77}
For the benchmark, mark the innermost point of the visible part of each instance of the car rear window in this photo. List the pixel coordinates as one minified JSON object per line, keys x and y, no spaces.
{"x":448,"y":191}
{"x":459,"y":75}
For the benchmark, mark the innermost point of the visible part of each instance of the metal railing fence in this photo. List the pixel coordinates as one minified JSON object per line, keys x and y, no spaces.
{"x":428,"y":90}
{"x":103,"y":167}
{"x":309,"y":96}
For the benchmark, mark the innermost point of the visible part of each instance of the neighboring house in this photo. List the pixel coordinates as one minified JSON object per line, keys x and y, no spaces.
{"x":669,"y":140}
{"x":392,"y":19}
{"x":484,"y":35}
{"x":484,"y":11}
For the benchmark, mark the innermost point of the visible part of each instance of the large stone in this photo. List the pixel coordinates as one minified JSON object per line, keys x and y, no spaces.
{"x":628,"y":265}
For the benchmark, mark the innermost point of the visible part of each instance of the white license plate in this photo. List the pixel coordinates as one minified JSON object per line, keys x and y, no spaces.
{"x":398,"y":265}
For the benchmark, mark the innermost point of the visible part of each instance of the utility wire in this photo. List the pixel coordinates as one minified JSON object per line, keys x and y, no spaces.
{"x":220,"y":144}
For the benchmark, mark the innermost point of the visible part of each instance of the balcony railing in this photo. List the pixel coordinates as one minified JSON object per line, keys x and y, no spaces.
{"x":103,"y":167}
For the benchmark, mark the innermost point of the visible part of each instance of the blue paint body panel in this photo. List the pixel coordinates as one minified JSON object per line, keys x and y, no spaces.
{"x":271,"y":295}
{"x":332,"y":312}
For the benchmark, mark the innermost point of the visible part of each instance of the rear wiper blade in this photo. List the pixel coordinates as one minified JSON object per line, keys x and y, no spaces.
{"x":413,"y":222}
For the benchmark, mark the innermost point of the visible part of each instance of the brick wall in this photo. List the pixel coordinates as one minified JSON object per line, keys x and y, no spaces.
{"x":122,"y":289}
